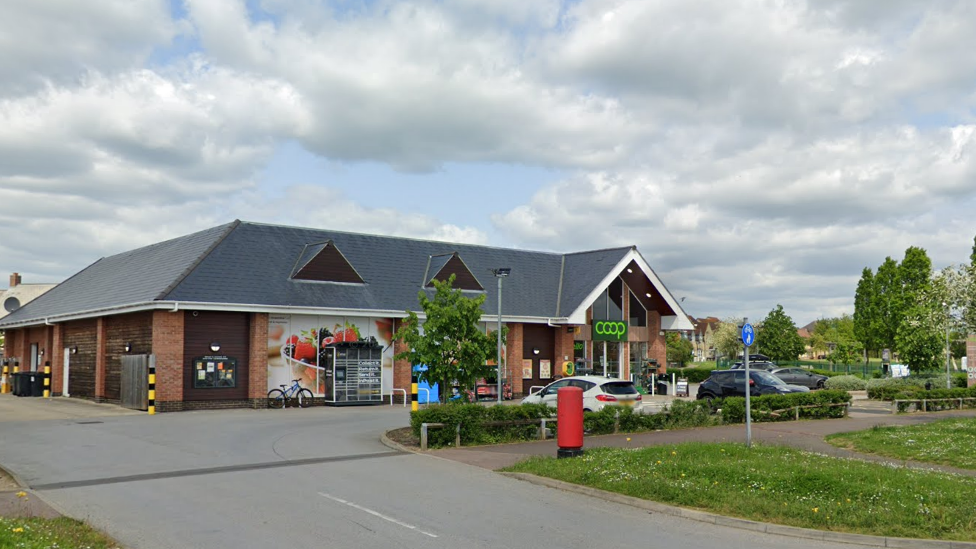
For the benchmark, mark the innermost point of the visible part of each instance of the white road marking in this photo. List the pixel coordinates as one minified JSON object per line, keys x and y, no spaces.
{"x":376,"y":514}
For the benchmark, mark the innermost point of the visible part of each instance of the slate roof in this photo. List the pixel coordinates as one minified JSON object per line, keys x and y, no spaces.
{"x":250,"y":264}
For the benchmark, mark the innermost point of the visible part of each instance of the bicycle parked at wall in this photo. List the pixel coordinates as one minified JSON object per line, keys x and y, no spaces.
{"x":278,"y":398}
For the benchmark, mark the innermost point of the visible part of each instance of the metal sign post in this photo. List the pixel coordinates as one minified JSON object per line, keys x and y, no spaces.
{"x":748,"y":336}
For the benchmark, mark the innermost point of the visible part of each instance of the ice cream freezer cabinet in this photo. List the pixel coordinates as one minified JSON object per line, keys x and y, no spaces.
{"x":355,"y":376}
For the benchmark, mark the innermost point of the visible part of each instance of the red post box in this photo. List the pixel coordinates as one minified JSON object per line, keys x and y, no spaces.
{"x":569,"y":418}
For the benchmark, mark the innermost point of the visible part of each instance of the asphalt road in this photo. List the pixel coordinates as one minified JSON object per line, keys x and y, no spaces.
{"x":317,"y":477}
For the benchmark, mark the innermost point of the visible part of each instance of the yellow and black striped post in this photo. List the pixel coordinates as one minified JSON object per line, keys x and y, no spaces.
{"x":152,"y":390}
{"x":4,"y":380}
{"x":47,"y":381}
{"x":414,"y":404}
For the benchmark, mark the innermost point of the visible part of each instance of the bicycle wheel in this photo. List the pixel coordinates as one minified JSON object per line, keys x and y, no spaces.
{"x":276,"y":398}
{"x":304,"y":398}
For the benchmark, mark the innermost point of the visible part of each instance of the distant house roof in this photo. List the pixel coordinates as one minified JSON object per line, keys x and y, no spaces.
{"x":252,"y":267}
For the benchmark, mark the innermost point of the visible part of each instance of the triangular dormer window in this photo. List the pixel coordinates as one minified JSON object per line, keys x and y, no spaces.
{"x":323,"y":262}
{"x":443,"y":266}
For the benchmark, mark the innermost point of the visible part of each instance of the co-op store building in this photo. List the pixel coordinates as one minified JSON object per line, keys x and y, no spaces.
{"x":229,"y":312}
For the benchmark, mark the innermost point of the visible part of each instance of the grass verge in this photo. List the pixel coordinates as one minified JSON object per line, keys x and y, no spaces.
{"x":38,"y":533}
{"x":779,"y":485}
{"x":946,"y":442}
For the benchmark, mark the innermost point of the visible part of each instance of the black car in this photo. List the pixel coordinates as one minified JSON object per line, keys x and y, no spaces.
{"x":726,"y":383}
{"x":759,"y":365}
{"x":799,"y":376}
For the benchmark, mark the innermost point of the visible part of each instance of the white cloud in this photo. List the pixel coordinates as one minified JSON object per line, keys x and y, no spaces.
{"x":773,"y":148}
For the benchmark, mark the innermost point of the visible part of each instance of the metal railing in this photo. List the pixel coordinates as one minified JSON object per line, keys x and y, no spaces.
{"x":404,"y":391}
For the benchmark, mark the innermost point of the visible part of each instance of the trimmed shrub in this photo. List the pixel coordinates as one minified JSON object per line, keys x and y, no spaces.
{"x":886,"y":388}
{"x":846,"y":383}
{"x":693,"y":375}
{"x":780,"y":407}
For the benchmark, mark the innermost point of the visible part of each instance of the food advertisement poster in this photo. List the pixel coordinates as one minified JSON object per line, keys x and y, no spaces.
{"x":545,"y":369}
{"x":296,"y":346}
{"x":526,"y":368}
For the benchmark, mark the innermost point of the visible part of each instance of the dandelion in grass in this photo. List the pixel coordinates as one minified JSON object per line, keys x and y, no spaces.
{"x":18,"y":530}
{"x":816,"y":509}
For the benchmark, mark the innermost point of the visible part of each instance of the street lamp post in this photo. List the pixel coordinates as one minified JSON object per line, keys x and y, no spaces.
{"x":500,"y":273}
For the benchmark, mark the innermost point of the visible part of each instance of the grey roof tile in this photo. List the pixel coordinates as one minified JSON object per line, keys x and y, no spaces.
{"x":252,"y":263}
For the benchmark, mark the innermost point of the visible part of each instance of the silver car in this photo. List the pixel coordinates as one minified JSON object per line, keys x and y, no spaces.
{"x":801,"y":377}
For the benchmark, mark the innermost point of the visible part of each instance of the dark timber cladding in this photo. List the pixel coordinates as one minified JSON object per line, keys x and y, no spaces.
{"x":542,"y":337}
{"x":134,"y":329}
{"x":81,"y":335}
{"x":327,"y":265}
{"x":231,"y":331}
{"x":463,"y":278}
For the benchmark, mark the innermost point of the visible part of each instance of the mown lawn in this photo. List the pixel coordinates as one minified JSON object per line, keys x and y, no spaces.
{"x":780,"y":485}
{"x":946,"y":442}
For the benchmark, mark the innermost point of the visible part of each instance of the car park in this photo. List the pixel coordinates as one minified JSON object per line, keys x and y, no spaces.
{"x":799,"y":376}
{"x":598,"y":392}
{"x":727,"y":383}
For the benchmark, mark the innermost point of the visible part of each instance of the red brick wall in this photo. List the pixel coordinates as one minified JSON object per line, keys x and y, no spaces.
{"x":513,"y":357}
{"x":258,"y":361}
{"x":564,"y":348}
{"x":100,"y":359}
{"x":656,"y":345}
{"x":57,"y":358}
{"x":401,"y":367}
{"x":167,"y":345}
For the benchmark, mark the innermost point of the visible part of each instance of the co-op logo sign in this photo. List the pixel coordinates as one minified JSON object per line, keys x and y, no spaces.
{"x":609,"y":330}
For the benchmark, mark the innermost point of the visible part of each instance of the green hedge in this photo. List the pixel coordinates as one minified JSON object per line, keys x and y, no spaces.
{"x":472,"y":418}
{"x":693,"y":375}
{"x":679,"y":414}
{"x":734,"y":408}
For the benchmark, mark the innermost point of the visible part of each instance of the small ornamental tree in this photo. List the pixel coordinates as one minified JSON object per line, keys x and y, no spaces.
{"x":449,"y":342}
{"x":679,"y":349}
{"x":726,"y":338}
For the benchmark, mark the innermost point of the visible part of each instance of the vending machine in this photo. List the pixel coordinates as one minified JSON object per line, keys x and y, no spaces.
{"x":356,"y":374}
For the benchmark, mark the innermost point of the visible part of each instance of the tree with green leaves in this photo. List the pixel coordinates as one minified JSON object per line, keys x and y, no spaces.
{"x":777,"y":338}
{"x":450,"y":342}
{"x":887,"y":298}
{"x":865,"y":315}
{"x":679,"y":349}
{"x":725,"y":338}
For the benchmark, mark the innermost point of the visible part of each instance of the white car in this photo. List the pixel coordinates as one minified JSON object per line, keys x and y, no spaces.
{"x":598,"y":392}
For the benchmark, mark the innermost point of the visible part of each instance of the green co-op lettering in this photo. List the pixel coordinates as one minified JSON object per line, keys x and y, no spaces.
{"x":610,"y":328}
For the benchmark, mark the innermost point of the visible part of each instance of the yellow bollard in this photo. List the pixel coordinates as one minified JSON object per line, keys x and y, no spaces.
{"x":152,"y":391}
{"x":3,"y":380}
{"x":47,"y":382}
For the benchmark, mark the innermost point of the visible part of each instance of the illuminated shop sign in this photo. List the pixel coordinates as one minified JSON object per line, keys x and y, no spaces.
{"x":609,"y":330}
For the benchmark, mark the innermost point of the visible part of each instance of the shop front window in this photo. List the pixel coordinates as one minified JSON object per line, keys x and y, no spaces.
{"x":638,"y":314}
{"x":609,"y":305}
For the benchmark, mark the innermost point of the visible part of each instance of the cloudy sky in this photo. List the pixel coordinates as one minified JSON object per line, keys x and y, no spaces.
{"x":756,"y":152}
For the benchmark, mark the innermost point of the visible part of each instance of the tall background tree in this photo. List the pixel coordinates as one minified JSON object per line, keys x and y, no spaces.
{"x":450,"y":342}
{"x":865,"y":315}
{"x":777,"y":338}
{"x":886,"y":299}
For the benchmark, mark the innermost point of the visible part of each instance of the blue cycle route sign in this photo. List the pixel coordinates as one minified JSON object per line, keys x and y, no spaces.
{"x":748,"y":335}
